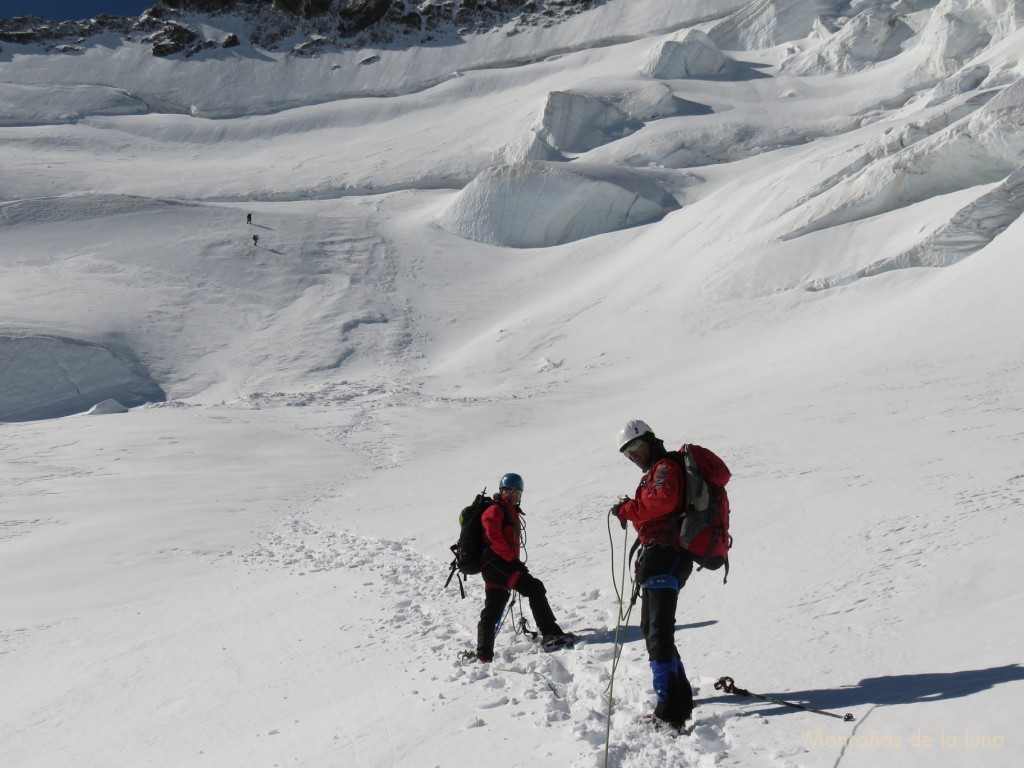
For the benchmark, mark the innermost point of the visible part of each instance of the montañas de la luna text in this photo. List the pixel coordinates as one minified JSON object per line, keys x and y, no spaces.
{"x":942,"y":739}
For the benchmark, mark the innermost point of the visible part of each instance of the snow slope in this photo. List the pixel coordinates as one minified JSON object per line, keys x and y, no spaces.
{"x":448,"y":285}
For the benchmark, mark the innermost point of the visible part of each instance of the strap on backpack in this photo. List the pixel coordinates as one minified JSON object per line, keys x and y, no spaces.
{"x":714,"y":540}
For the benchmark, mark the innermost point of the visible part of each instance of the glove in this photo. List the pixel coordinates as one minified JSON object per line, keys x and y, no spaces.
{"x":615,"y":509}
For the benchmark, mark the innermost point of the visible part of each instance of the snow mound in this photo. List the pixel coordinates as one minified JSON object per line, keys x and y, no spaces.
{"x":896,"y":140}
{"x":577,"y":122}
{"x":869,"y":37}
{"x":689,"y":144}
{"x":767,"y":23}
{"x":971,"y":229}
{"x":621,"y":106}
{"x":964,"y":81}
{"x":53,"y":104}
{"x":536,"y":204}
{"x":639,"y":98}
{"x":948,"y":36}
{"x":46,"y":377}
{"x":957,"y":30}
{"x":529,"y":146}
{"x":107,"y":407}
{"x":981,"y":149}
{"x":693,"y":54}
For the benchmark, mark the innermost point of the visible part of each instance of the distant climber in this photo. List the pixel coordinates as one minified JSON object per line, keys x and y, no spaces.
{"x":248,"y":218}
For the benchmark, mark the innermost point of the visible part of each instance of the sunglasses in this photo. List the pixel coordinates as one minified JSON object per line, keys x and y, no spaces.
{"x":633,"y":447}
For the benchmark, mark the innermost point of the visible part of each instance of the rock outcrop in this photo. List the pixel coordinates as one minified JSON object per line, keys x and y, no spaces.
{"x":341,"y":23}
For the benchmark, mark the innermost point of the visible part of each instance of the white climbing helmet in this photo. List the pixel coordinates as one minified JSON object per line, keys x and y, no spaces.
{"x":634,"y":428}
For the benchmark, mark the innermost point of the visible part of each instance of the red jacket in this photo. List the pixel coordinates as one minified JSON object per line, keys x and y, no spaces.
{"x":502,"y":525}
{"x":654,"y":508}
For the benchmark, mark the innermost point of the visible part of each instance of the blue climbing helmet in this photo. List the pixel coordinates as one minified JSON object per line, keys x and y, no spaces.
{"x":511,"y":480}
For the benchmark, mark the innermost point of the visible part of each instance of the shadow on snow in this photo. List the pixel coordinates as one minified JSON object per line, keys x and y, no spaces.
{"x":883,"y":691}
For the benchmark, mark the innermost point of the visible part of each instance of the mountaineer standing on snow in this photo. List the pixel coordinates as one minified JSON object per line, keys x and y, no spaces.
{"x":662,"y":567}
{"x":503,"y":571}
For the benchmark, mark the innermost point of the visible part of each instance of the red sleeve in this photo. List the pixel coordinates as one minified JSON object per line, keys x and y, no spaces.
{"x":659,"y":498}
{"x":494,"y":522}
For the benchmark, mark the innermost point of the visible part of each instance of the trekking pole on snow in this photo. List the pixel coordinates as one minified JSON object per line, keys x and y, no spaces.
{"x":728,"y":685}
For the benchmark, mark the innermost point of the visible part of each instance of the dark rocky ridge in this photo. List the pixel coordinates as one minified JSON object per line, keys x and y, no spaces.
{"x":323,"y":23}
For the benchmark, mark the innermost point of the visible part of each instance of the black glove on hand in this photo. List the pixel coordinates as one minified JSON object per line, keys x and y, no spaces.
{"x":614,"y":511}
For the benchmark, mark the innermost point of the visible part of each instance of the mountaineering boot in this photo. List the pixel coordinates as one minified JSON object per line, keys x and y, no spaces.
{"x":675,"y":698}
{"x":557,"y":640}
{"x":655,"y":723}
{"x":484,"y":644}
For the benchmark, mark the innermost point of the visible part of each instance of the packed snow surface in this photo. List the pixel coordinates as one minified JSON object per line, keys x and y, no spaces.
{"x":339,"y":294}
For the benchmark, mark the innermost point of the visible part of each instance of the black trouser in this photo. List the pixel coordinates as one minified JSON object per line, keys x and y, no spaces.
{"x":662,"y":571}
{"x":494,"y":606}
